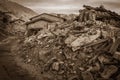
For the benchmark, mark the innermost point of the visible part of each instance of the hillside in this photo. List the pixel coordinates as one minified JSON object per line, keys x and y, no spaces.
{"x":17,"y":10}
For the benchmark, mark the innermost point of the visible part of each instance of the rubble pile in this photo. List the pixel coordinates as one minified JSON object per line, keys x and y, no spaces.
{"x":85,"y":49}
{"x":100,"y":14}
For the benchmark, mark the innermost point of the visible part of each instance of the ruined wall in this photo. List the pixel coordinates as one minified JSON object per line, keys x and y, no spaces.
{"x":38,"y":24}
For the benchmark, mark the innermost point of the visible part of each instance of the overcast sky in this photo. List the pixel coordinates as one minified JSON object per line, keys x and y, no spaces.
{"x":67,"y":6}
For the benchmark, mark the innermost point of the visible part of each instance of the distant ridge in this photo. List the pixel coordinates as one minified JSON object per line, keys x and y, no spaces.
{"x":16,"y":9}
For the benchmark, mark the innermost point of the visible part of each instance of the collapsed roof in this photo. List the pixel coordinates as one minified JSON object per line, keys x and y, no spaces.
{"x":45,"y":17}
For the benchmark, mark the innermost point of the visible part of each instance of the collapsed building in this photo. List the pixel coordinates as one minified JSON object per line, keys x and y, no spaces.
{"x":17,"y":27}
{"x":87,"y":48}
{"x":100,"y":14}
{"x":42,"y":21}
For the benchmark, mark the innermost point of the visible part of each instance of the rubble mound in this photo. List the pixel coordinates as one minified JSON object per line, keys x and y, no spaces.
{"x":100,"y":14}
{"x":85,"y":49}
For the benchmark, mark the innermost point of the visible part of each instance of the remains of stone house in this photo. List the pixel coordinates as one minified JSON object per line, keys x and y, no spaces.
{"x":12,"y":16}
{"x":42,"y":21}
{"x":17,"y":25}
{"x":4,"y":17}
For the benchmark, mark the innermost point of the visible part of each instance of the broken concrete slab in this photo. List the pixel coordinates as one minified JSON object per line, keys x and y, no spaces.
{"x":70,"y":39}
{"x":83,"y":40}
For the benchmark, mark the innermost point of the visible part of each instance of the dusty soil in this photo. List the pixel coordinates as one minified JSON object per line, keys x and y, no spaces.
{"x":11,"y":66}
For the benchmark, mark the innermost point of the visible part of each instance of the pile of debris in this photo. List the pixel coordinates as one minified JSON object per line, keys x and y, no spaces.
{"x":100,"y":14}
{"x":85,"y":49}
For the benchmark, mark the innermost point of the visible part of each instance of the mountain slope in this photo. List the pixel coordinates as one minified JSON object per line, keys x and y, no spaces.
{"x":17,"y":10}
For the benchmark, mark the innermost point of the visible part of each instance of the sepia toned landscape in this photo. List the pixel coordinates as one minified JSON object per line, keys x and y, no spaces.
{"x":81,"y":42}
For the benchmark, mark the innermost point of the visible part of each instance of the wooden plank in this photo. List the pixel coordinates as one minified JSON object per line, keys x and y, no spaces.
{"x":96,"y":43}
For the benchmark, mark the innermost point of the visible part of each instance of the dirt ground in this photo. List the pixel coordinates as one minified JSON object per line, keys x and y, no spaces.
{"x":12,"y":67}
